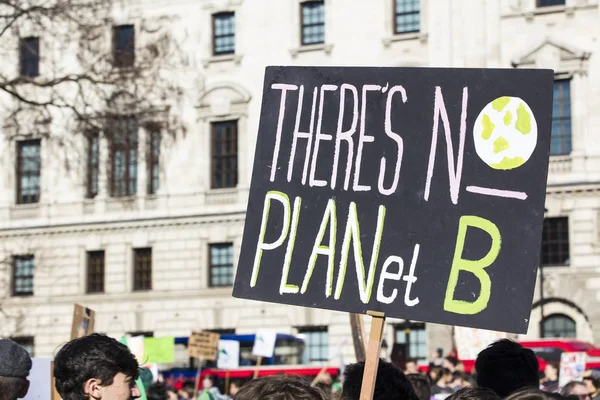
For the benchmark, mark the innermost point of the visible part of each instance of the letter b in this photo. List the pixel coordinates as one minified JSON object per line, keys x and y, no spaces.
{"x":475,"y":267}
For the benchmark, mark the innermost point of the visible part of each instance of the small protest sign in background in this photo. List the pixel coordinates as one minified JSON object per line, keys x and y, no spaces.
{"x":159,"y":350}
{"x":264,"y":343}
{"x":229,"y":354}
{"x":83,"y":322}
{"x":413,"y":192}
{"x":470,"y":341}
{"x":203,"y":345}
{"x":572,"y":365}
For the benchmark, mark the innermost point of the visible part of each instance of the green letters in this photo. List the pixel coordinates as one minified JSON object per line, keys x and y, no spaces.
{"x":476,"y":267}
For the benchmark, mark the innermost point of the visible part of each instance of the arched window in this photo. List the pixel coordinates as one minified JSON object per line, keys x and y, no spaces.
{"x":558,"y":326}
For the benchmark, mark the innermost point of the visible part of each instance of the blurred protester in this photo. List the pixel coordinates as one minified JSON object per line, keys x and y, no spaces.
{"x":234,"y":387}
{"x":158,"y":391}
{"x":209,"y":390}
{"x":505,"y":367}
{"x":459,"y":381}
{"x":15,"y":365}
{"x":278,"y":388}
{"x":186,"y":392}
{"x":411,"y":367}
{"x":591,"y":378}
{"x":474,"y":394}
{"x":437,"y":358}
{"x":450,"y":363}
{"x":96,"y":367}
{"x":441,"y":388}
{"x":535,"y":394}
{"x":578,"y":389}
{"x":391,"y":383}
{"x":421,"y":385}
{"x":549,"y":382}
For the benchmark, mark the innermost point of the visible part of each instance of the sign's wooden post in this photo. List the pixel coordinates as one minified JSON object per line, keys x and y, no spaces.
{"x":258,"y":362}
{"x":358,"y":336}
{"x":196,"y":387}
{"x":316,"y":380}
{"x":227,"y":382}
{"x":373,"y":350}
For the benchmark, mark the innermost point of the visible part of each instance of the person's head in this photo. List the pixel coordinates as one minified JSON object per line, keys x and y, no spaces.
{"x":278,"y":388}
{"x":15,"y":365}
{"x":474,"y":394}
{"x":208,"y":382}
{"x":444,"y":377}
{"x":421,"y":386}
{"x":411,"y":366}
{"x":187,"y":389}
{"x":578,"y":389}
{"x":506,"y":366}
{"x":234,"y":387}
{"x":435,"y":374}
{"x":158,"y":391}
{"x":96,"y":367}
{"x":551,"y":372}
{"x":391,"y":383}
{"x":450,"y":363}
{"x":591,"y":384}
{"x":534,"y":394}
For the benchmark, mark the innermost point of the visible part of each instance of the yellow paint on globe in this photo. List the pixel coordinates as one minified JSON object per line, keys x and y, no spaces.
{"x":505,"y":133}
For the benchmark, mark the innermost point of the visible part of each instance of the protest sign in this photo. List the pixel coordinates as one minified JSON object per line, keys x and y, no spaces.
{"x":159,"y":350}
{"x":264,"y":343}
{"x":41,"y":380}
{"x":229,"y":354}
{"x":83,"y":322}
{"x":414,"y":192}
{"x":203,"y":345}
{"x":470,"y":341}
{"x":136,"y":346}
{"x":572,"y":365}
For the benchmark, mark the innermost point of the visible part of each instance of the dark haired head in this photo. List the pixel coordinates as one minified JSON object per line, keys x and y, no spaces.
{"x":158,"y":391}
{"x":474,"y":394}
{"x":506,"y":366}
{"x":278,"y":388}
{"x":534,"y":394}
{"x":421,"y":385}
{"x":91,"y":357}
{"x":452,"y":360}
{"x":391,"y":383}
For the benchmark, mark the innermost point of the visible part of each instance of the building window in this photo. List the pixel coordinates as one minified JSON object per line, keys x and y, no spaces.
{"x":28,"y":171}
{"x":412,"y":339}
{"x":561,"y":118}
{"x":124,"y":154}
{"x":224,"y":154}
{"x":407,"y":16}
{"x":316,"y":339}
{"x":224,"y":33}
{"x":547,"y":3}
{"x":142,"y":269}
{"x":29,"y":49}
{"x":153,"y":160}
{"x":93,"y":160}
{"x":558,"y":326}
{"x":313,"y":22}
{"x":27,"y":342}
{"x":555,"y":242}
{"x":221,"y":264}
{"x":23,"y":269}
{"x":95,"y":272}
{"x":123,"y":46}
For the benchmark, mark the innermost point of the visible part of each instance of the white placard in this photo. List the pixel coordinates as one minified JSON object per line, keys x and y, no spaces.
{"x":40,"y":379}
{"x":264,"y":344}
{"x":228,"y":354}
{"x":470,"y":341}
{"x":572,"y":365}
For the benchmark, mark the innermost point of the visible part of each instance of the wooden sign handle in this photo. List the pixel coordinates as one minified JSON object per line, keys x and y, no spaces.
{"x":258,"y":362}
{"x":358,"y":336}
{"x":373,"y":350}
{"x":197,"y":386}
{"x":316,"y":380}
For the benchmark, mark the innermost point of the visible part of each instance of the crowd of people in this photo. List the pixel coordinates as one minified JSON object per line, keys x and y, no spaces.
{"x":100,"y":368}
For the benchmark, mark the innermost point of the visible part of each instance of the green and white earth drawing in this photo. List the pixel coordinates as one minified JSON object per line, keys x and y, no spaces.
{"x":505,"y":133}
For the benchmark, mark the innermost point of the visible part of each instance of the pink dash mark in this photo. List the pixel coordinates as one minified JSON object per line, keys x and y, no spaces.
{"x":509,"y":194}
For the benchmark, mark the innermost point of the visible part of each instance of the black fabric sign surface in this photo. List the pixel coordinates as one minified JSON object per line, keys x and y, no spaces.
{"x":417,"y":192}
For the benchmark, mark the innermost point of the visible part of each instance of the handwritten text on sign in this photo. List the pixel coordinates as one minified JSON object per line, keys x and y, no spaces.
{"x":415,"y":192}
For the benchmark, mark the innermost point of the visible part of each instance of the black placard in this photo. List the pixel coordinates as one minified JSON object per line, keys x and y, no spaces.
{"x":435,"y":178}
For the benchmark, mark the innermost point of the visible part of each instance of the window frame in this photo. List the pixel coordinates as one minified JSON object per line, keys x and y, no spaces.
{"x":214,"y":158}
{"x":24,"y":341}
{"x":153,"y":160}
{"x":396,"y":14}
{"x":120,"y":59}
{"x":90,"y":289}
{"x":14,"y":275}
{"x":561,"y":102}
{"x":92,"y":168}
{"x":547,"y":318}
{"x":302,"y":25}
{"x":19,"y":171}
{"x":411,"y":326}
{"x":129,"y":145}
{"x":214,"y":33}
{"x":539,"y":5}
{"x":559,"y":241}
{"x":303,"y":330}
{"x":211,"y":265}
{"x":23,"y":47}
{"x":138,"y":285}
